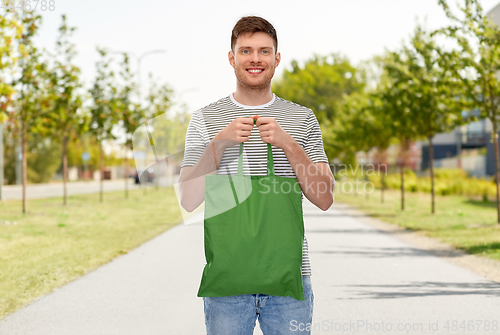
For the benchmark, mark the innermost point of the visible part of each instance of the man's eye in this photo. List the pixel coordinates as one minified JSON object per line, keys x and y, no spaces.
{"x":265,"y":51}
{"x":245,"y":51}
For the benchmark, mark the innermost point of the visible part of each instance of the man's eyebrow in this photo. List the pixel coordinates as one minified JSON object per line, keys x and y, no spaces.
{"x":249,"y":47}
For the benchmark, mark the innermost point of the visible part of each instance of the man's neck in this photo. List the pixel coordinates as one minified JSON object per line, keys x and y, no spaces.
{"x":253,"y":98}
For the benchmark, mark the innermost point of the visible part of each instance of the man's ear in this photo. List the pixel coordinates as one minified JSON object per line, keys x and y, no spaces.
{"x":278,"y":59}
{"x":230,"y":56}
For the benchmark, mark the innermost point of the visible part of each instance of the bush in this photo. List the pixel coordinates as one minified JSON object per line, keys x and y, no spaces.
{"x":446,"y":182}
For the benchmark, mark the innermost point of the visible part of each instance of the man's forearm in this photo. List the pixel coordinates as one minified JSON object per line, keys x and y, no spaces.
{"x":192,"y":179}
{"x":316,"y":184}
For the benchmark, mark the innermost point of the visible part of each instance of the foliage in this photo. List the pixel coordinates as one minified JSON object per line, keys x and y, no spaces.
{"x":10,"y":31}
{"x":447,"y":182}
{"x":130,"y":114}
{"x":66,"y":115}
{"x":169,"y":135}
{"x":30,"y":79}
{"x":159,"y":99}
{"x":104,"y":110}
{"x":43,"y":158}
{"x":478,"y":65}
{"x":324,"y":84}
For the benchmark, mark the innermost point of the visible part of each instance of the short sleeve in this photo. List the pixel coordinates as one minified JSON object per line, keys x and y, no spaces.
{"x":314,"y":142}
{"x":195,"y":143}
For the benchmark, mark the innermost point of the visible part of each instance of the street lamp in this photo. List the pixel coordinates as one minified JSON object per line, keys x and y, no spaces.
{"x":139,"y":59}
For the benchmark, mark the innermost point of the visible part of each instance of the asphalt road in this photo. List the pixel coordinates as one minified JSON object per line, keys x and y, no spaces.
{"x":37,"y":191}
{"x":365,"y":281}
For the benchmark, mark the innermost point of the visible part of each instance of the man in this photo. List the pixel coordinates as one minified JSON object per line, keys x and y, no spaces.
{"x":211,"y":147}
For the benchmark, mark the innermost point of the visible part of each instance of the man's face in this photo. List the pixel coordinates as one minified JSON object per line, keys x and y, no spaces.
{"x":254,"y":60}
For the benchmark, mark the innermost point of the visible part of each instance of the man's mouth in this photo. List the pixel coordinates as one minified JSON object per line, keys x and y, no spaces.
{"x":256,"y":71}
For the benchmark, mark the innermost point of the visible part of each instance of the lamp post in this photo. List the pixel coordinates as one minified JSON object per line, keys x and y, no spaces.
{"x":139,"y":59}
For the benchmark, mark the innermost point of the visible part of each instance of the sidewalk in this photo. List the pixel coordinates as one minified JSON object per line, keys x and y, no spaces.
{"x":365,"y":281}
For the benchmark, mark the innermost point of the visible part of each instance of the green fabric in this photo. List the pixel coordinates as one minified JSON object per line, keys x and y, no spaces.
{"x":254,"y":232}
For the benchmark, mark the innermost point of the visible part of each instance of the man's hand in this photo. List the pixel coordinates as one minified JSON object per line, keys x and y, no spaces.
{"x":271,"y":132}
{"x":237,"y":131}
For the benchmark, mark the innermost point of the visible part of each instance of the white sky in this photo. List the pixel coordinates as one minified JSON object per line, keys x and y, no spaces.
{"x":196,"y":34}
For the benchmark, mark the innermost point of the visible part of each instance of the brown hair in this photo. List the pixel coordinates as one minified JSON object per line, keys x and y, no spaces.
{"x":253,"y":24}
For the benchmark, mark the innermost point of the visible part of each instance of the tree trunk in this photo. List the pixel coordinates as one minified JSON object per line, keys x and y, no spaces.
{"x":431,"y":162}
{"x":402,"y":167}
{"x":101,"y":166}
{"x":1,"y":161}
{"x":404,"y":153}
{"x":65,"y":169}
{"x":497,"y":166}
{"x":366,"y":193}
{"x":24,"y":164}
{"x":126,"y":172}
{"x":382,"y":188}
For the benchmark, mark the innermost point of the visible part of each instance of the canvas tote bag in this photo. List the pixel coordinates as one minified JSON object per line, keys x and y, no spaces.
{"x":253,"y":231}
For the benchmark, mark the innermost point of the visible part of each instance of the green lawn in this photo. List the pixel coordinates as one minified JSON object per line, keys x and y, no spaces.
{"x":466,"y":224}
{"x":55,"y":244}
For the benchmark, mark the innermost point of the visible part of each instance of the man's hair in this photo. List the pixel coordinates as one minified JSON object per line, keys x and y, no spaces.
{"x":253,"y":24}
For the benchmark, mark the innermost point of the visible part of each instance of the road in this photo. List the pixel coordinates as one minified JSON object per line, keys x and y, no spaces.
{"x":37,"y":191}
{"x":365,"y":281}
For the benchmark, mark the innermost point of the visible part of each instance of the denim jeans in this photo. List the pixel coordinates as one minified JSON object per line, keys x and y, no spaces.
{"x":236,"y":315}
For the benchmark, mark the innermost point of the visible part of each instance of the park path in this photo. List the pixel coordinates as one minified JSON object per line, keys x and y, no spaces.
{"x":365,"y":281}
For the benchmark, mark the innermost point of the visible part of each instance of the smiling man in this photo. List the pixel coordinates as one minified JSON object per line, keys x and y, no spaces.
{"x":212,"y":147}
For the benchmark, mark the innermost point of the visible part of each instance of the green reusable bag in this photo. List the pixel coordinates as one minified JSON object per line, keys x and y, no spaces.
{"x":254,"y":231}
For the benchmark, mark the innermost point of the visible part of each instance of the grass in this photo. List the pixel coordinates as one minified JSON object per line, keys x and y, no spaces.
{"x":55,"y":244}
{"x":466,"y":224}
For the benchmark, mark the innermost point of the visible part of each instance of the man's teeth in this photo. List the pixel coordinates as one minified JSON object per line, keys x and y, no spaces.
{"x":255,"y":71}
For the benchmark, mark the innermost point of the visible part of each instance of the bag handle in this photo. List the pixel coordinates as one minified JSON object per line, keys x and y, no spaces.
{"x":270,"y":161}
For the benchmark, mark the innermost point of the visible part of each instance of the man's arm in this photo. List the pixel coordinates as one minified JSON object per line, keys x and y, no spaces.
{"x":316,"y":179}
{"x":192,"y":178}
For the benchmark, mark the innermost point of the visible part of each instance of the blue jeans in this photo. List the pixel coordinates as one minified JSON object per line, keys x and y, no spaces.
{"x":236,"y":315}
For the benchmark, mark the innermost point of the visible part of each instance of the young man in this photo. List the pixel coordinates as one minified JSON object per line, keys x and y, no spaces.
{"x":212,"y":143}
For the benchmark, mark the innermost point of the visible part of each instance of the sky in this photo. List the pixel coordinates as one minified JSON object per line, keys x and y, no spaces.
{"x":196,"y":34}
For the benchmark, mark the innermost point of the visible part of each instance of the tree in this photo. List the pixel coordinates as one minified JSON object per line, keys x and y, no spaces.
{"x":165,"y":131}
{"x":131,"y":114}
{"x":367,"y":127}
{"x":396,"y":103}
{"x":10,"y":30}
{"x":478,"y":66}
{"x":104,"y":110}
{"x":66,"y":115}
{"x":30,"y":82}
{"x":434,"y":95}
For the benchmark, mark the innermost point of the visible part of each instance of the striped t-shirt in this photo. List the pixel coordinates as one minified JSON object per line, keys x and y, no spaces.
{"x":298,"y":121}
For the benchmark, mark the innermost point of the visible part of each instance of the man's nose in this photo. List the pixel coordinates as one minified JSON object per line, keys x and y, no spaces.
{"x":256,"y":57}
